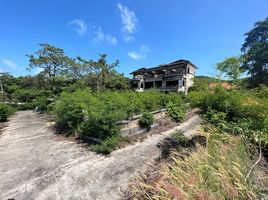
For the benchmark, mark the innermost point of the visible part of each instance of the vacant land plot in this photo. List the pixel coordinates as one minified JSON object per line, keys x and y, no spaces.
{"x":36,"y":164}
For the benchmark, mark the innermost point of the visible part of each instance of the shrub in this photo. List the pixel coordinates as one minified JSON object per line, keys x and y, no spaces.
{"x":41,"y":103}
{"x":183,"y":141}
{"x":110,"y":144}
{"x":68,"y":114}
{"x":146,"y":120}
{"x":99,"y":126}
{"x":95,"y":114}
{"x":236,"y":112}
{"x":176,"y":112}
{"x":5,"y":111}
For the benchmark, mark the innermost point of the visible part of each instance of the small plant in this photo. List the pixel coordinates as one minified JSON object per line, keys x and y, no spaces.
{"x":183,"y":141}
{"x":110,"y":144}
{"x":176,"y":112}
{"x":5,"y":111}
{"x":146,"y":120}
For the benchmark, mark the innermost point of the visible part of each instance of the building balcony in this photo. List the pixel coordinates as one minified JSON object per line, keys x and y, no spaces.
{"x":171,"y":76}
{"x":170,"y":88}
{"x":135,"y":80}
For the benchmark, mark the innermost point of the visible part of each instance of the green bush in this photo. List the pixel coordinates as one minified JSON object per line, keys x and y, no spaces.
{"x":183,"y":141}
{"x":146,"y":120}
{"x":41,"y":103}
{"x":5,"y":111}
{"x":176,"y":112}
{"x":236,"y":112}
{"x":68,"y":114}
{"x":96,"y":114}
{"x":110,"y":144}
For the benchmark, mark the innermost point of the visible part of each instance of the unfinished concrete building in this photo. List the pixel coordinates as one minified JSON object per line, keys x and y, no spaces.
{"x":176,"y":76}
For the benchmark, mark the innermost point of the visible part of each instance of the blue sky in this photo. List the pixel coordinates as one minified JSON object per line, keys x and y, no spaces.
{"x":138,"y":33}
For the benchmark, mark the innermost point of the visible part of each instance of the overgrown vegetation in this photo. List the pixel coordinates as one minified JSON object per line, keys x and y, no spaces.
{"x":236,"y":125}
{"x":96,"y":114}
{"x":176,"y":111}
{"x":216,"y":171}
{"x":5,"y":111}
{"x":236,"y":112}
{"x":146,"y":120}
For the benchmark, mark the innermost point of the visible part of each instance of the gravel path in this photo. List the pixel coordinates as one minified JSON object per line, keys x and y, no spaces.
{"x":36,"y":164}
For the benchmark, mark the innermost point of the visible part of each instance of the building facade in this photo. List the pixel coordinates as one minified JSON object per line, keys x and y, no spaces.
{"x":176,"y":76}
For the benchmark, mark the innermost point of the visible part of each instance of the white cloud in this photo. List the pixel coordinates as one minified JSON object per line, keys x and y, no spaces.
{"x":9,"y":63}
{"x":100,"y":36}
{"x":144,"y":48}
{"x":141,"y":54}
{"x":129,"y":22}
{"x":136,"y":55}
{"x":79,"y":26}
{"x":111,"y":39}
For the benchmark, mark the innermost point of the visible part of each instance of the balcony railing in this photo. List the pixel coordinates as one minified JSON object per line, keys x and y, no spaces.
{"x":135,"y":79}
{"x":170,"y":76}
{"x":169,"y":88}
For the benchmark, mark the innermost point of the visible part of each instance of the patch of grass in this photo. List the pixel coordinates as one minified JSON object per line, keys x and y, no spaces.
{"x":178,"y":136}
{"x":5,"y":111}
{"x":217,"y":171}
{"x":110,"y":144}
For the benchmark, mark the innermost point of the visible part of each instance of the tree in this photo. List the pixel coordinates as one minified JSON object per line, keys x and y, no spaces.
{"x":103,"y":70}
{"x":255,"y":53}
{"x":50,"y":59}
{"x":231,"y":67}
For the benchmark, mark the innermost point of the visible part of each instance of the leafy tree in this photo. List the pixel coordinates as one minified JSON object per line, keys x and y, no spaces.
{"x":50,"y":59}
{"x":231,"y":67}
{"x":255,"y":49}
{"x":104,"y":70}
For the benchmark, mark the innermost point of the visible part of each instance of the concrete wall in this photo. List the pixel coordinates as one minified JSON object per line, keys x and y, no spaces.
{"x":131,"y":126}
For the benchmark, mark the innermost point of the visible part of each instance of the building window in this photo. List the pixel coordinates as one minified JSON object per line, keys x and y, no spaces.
{"x":188,"y":70}
{"x":183,"y":82}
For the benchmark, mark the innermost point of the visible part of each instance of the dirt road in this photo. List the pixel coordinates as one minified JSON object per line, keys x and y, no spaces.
{"x":36,"y":164}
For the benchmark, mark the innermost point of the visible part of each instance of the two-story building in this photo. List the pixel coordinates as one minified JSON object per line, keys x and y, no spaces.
{"x":176,"y":76}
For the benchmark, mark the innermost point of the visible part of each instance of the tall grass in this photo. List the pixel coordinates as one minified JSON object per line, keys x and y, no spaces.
{"x":216,"y":171}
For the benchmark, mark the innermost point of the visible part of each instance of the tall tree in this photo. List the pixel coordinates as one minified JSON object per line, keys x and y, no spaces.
{"x":51,"y":60}
{"x":103,"y":70}
{"x":255,"y":50}
{"x":231,"y":67}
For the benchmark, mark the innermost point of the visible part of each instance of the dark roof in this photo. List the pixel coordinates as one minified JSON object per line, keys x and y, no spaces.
{"x":181,"y":62}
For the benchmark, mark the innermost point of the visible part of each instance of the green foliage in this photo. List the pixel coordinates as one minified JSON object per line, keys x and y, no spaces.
{"x":68,"y":113}
{"x":110,"y":144}
{"x":236,"y":112}
{"x":5,"y":111}
{"x":255,"y":49}
{"x":202,"y":83}
{"x":96,"y":114}
{"x":176,"y":112}
{"x":183,"y":141}
{"x":231,"y":67}
{"x":146,"y":120}
{"x":50,"y":59}
{"x":41,"y":103}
